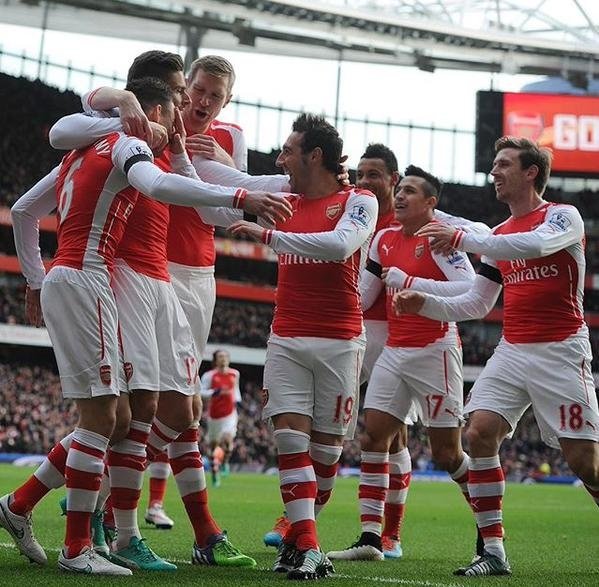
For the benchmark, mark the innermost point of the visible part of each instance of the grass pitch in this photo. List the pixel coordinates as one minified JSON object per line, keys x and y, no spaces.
{"x":553,"y":537}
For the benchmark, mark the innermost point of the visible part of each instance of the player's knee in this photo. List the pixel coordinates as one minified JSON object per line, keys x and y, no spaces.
{"x":585,"y":467}
{"x":121,"y":427}
{"x":481,"y":439}
{"x":374,"y":440}
{"x":446,"y":458}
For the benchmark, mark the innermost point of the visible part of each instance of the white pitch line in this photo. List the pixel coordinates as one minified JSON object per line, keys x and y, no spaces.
{"x":389,"y":580}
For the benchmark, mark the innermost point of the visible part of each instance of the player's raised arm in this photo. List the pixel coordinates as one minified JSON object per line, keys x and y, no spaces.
{"x":563,"y":227}
{"x":462,"y":223}
{"x":455,"y":266}
{"x":476,"y":303}
{"x":76,"y":131}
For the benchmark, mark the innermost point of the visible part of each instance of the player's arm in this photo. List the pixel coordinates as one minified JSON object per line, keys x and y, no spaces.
{"x":135,"y":159}
{"x":219,"y":174}
{"x":240,"y":152}
{"x":462,"y":223}
{"x":76,"y":131}
{"x":371,"y":283}
{"x":236,"y":390}
{"x":476,"y":303}
{"x":456,"y":267}
{"x":353,"y":230}
{"x":563,"y":226}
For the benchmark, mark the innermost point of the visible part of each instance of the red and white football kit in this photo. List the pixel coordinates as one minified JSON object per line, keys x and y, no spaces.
{"x":421,"y":363}
{"x":544,"y":356}
{"x":94,"y":200}
{"x":314,"y":353}
{"x":190,"y":249}
{"x":222,"y":388}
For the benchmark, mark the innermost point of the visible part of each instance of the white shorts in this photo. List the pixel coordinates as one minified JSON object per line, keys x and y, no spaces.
{"x":158,"y":349}
{"x":376,"y":336}
{"x":196,"y":289}
{"x":316,"y":377}
{"x":219,"y":427}
{"x":554,"y":377}
{"x":80,"y":314}
{"x":430,"y":378}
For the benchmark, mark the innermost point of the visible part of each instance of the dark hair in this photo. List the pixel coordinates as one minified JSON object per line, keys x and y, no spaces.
{"x":216,"y":352}
{"x":530,"y":154}
{"x":317,"y":132}
{"x":151,"y":91}
{"x":380,"y":151}
{"x":160,"y":64}
{"x":432,"y":184}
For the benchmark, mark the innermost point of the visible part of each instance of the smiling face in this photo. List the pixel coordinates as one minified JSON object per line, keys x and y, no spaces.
{"x":209,"y":95}
{"x":412,"y":204}
{"x":373,"y":175}
{"x":509,"y":177}
{"x":293,"y":162}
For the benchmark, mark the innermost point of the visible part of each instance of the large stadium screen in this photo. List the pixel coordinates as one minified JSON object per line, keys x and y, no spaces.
{"x":569,"y":125}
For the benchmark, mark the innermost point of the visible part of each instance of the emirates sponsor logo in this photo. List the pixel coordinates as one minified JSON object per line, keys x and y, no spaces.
{"x":535,"y":273}
{"x":105,"y":375}
{"x":333,"y":211}
{"x":289,"y":259}
{"x":128,"y":369}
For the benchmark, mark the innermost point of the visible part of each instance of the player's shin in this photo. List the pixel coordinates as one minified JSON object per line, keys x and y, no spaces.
{"x":400,"y":475}
{"x":325,"y":459}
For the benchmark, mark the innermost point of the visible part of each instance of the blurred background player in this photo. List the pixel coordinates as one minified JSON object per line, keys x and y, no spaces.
{"x":220,"y":386}
{"x":190,"y":249}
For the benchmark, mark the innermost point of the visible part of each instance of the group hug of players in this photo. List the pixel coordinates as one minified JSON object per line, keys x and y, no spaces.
{"x":371,"y":280}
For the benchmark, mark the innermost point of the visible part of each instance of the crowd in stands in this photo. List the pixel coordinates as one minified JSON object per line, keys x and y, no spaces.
{"x":33,"y":416}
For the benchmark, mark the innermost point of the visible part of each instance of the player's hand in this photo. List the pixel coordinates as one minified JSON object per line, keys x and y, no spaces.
{"x":272,"y":208}
{"x":159,"y":137}
{"x":408,"y":302}
{"x":248,"y":229}
{"x":33,"y":307}
{"x":206,"y":146}
{"x":177,"y":142}
{"x":134,"y":119}
{"x":440,"y":237}
{"x":343,"y":175}
{"x":394,"y":277}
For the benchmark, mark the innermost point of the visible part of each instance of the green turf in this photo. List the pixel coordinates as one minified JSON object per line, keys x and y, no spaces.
{"x":552,"y":539}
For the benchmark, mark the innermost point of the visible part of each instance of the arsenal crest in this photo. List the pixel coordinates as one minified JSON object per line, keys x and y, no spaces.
{"x":419,"y":250}
{"x":105,"y":375}
{"x":333,"y":211}
{"x":128,"y":368}
{"x":264,"y":397}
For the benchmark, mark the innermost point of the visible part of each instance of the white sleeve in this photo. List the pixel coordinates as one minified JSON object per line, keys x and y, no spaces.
{"x":237,"y":391}
{"x":463,"y":223}
{"x":219,"y":174}
{"x":181,"y":164}
{"x":353,"y":230}
{"x":563,"y":226}
{"x":240,"y":154}
{"x":371,"y":283}
{"x":134,"y":158}
{"x":38,"y":202}
{"x":472,"y":305}
{"x":205,"y":381}
{"x":87,"y":107}
{"x":76,"y":131}
{"x":455,"y":266}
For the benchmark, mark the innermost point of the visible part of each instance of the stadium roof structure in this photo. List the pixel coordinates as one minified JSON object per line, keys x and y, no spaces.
{"x":543,"y":37}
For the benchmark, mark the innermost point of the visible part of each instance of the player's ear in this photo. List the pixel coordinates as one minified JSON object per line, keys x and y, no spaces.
{"x":229,"y":97}
{"x":154,"y":113}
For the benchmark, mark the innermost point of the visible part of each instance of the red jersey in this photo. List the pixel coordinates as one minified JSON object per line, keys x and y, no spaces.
{"x":378,"y":310}
{"x":316,"y":297}
{"x":412,"y":254}
{"x":223,"y":389}
{"x":95,"y":201}
{"x":543,"y":297}
{"x":190,"y":240}
{"x":143,"y":246}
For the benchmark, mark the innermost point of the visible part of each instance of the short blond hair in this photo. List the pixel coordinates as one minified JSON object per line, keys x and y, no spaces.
{"x":214,"y":65}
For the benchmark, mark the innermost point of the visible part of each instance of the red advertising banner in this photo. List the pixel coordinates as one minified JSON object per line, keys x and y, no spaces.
{"x":569,"y":125}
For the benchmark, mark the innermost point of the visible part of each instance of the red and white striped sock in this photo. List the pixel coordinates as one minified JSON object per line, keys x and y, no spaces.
{"x":188,"y":470}
{"x":594,"y":491}
{"x":486,"y":486}
{"x":83,"y":473}
{"x":460,"y":476}
{"x":127,"y":463}
{"x":49,"y":475}
{"x":159,"y":471}
{"x":374,"y":482}
{"x":400,"y":475}
{"x":298,"y":486}
{"x":325,"y":460}
{"x":160,"y":437}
